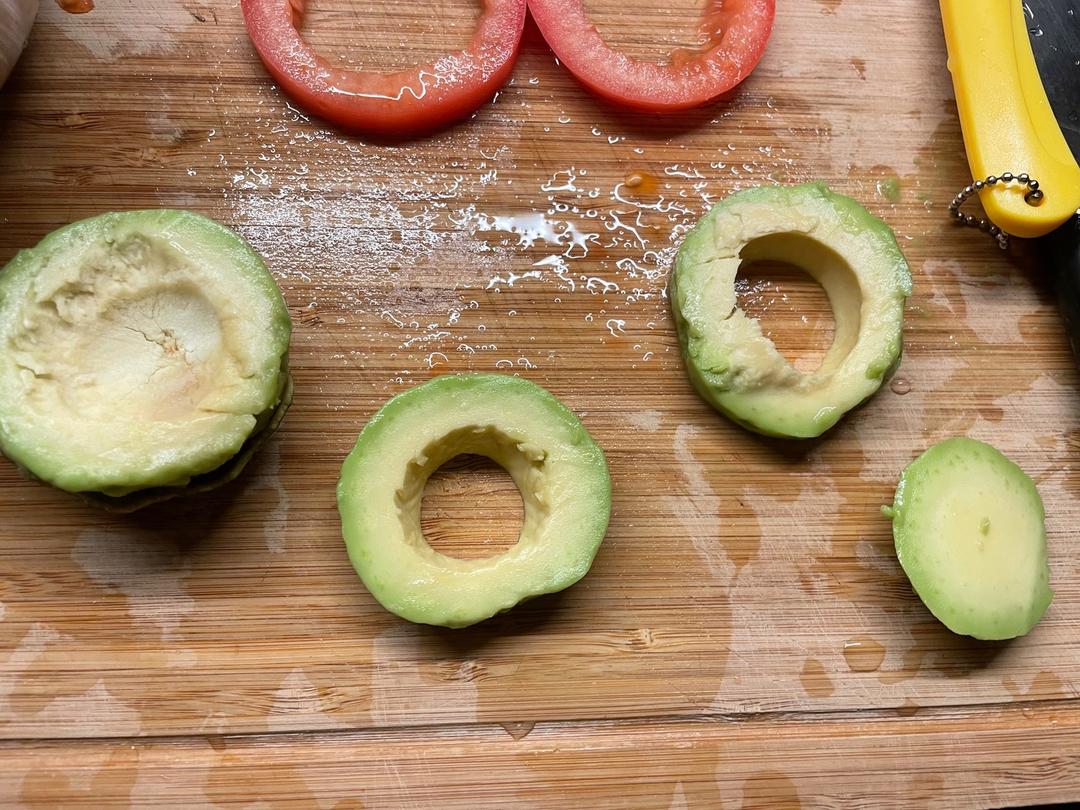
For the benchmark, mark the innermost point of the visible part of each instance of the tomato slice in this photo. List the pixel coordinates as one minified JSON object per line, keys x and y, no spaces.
{"x":737,"y":31}
{"x":401,"y":103}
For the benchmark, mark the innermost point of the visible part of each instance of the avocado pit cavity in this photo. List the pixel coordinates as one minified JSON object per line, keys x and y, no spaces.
{"x":124,"y":334}
{"x":523,"y":462}
{"x":759,"y":361}
{"x":138,"y":351}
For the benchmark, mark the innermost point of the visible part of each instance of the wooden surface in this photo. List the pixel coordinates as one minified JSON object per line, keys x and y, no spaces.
{"x":745,"y":638}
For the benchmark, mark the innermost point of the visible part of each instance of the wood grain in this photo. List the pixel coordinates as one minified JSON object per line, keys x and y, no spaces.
{"x":745,"y":638}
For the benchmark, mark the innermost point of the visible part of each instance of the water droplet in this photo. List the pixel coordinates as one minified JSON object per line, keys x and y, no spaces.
{"x":908,"y":709}
{"x":815,"y":680}
{"x":616,"y":326}
{"x":519,"y":730}
{"x":217,"y":742}
{"x":76,"y":6}
{"x":863,"y":654}
{"x":900,"y":386}
{"x":1035,"y":32}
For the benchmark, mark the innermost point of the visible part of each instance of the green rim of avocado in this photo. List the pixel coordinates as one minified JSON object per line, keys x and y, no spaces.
{"x":139,"y":353}
{"x":560,"y":471}
{"x":969,"y":530}
{"x":732,"y":364}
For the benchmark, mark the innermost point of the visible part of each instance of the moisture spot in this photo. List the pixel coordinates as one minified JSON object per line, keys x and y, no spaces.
{"x":519,"y":730}
{"x":863,"y":654}
{"x":769,"y":789}
{"x":900,"y":386}
{"x":76,"y":6}
{"x":814,"y":679}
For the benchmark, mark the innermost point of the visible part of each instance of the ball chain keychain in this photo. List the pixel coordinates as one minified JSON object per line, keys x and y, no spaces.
{"x":1033,"y":196}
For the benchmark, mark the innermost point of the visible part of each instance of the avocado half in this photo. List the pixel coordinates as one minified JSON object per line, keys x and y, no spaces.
{"x":732,"y":364}
{"x":142,"y":355}
{"x":560,"y":471}
{"x":970,"y":534}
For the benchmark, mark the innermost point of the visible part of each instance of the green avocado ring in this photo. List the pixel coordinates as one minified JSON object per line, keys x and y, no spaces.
{"x":560,"y":471}
{"x":732,"y":364}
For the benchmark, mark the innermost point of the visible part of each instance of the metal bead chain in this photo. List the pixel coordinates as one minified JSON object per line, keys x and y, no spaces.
{"x":1033,"y":196}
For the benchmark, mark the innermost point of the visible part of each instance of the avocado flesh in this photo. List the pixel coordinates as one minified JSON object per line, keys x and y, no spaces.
{"x":267,"y":425}
{"x":970,"y":534}
{"x":560,"y":471}
{"x":732,"y":364}
{"x":137,"y":350}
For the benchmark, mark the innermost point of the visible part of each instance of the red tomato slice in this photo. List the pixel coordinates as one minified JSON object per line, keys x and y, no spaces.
{"x":400,"y":103}
{"x":737,"y":31}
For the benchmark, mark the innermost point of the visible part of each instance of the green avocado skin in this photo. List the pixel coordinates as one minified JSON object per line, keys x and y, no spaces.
{"x":713,"y":376}
{"x":231,"y":251}
{"x":428,"y":588}
{"x":1024,"y":594}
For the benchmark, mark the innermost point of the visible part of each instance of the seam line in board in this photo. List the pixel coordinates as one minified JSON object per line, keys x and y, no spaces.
{"x":941,"y":714}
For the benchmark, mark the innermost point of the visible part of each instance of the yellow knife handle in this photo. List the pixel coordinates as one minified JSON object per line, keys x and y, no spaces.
{"x":1006,"y":117}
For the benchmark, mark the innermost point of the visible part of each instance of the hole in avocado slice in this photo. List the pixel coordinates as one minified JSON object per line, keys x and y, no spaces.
{"x":829,"y":286}
{"x":793,"y":309}
{"x":735,"y":366}
{"x":523,"y":464}
{"x":471,"y":508}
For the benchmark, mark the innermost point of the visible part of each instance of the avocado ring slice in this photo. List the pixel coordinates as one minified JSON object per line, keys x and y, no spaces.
{"x":560,"y":471}
{"x":139,"y":352}
{"x":732,"y":364}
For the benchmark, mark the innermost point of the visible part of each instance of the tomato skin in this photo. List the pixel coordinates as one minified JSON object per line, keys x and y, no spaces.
{"x":398,"y":104}
{"x":738,"y":30}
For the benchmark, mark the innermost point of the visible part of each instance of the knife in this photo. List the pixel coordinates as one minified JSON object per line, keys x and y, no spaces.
{"x":1016,"y":74}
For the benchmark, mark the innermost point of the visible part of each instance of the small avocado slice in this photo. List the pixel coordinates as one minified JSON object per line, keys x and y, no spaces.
{"x":560,"y":471}
{"x":141,"y":353}
{"x":969,"y":531}
{"x":736,"y":368}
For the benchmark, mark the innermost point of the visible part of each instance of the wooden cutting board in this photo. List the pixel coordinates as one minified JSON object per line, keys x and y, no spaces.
{"x":745,"y":638}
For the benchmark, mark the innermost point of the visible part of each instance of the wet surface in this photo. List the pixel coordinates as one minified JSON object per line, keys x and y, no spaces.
{"x":651,"y":31}
{"x":863,"y":654}
{"x":770,"y":789}
{"x":76,"y":6}
{"x":376,"y":36}
{"x":814,"y":679}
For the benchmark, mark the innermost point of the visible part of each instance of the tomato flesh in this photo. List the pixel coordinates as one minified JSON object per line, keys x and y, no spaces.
{"x":737,"y":32}
{"x":398,"y":103}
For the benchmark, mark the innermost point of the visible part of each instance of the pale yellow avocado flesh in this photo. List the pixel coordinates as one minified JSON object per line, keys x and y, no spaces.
{"x":137,"y":350}
{"x":970,"y":534}
{"x":732,"y":364}
{"x":560,"y":471}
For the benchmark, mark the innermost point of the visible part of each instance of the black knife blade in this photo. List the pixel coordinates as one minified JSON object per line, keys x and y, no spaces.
{"x":1054,"y":30}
